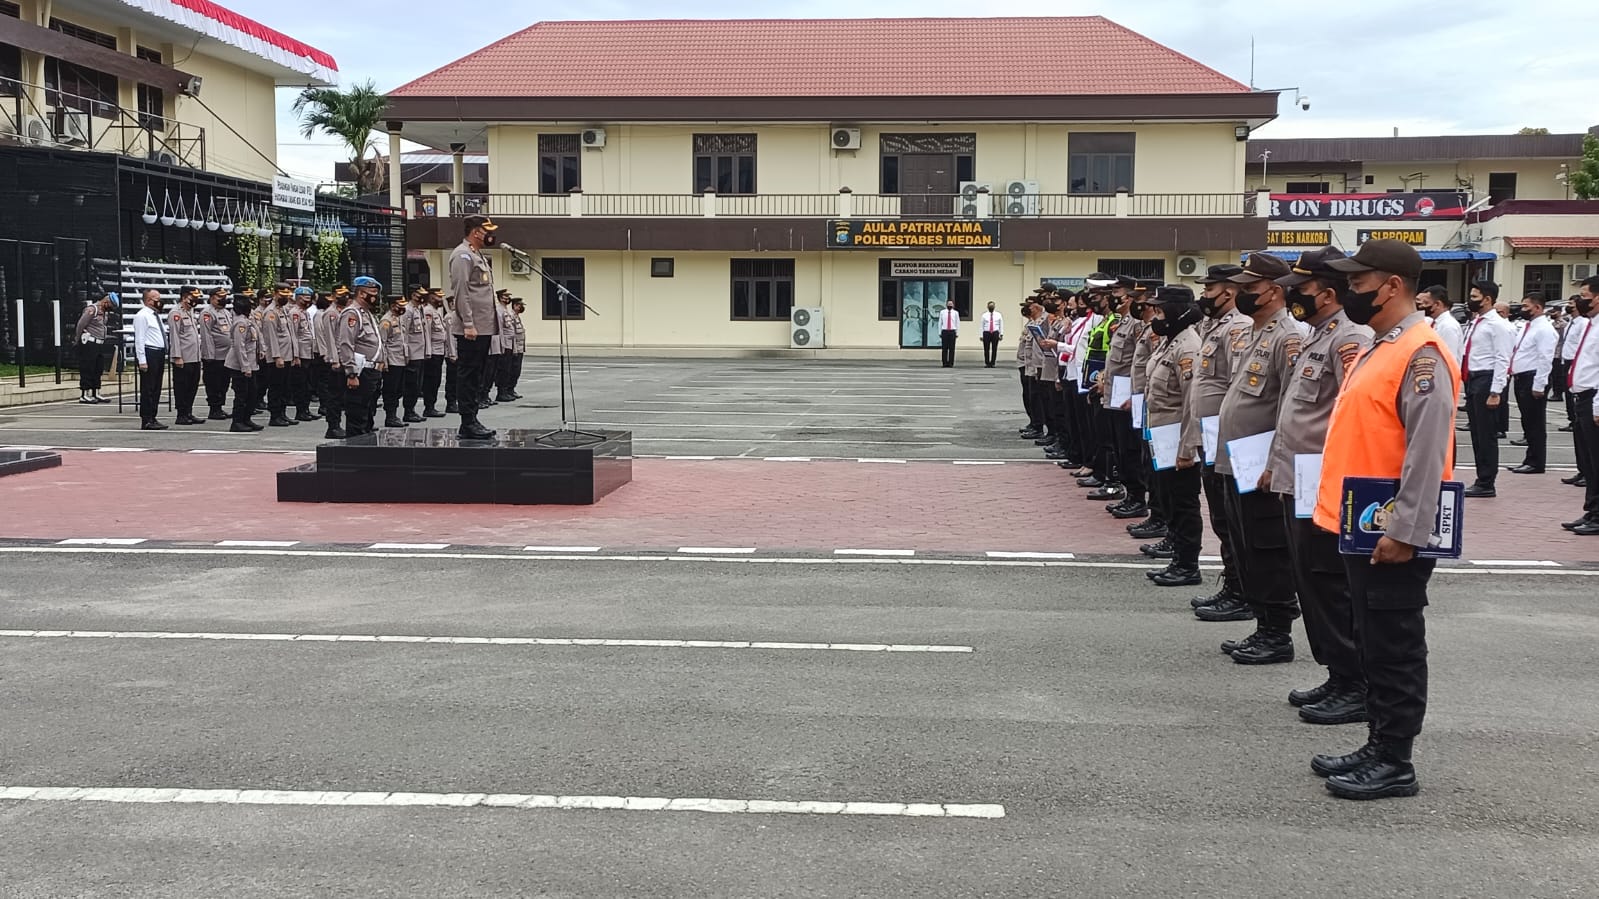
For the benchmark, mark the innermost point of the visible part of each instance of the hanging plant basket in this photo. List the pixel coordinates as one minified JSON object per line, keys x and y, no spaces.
{"x":198,"y":221}
{"x":168,"y":217}
{"x":227,"y":217}
{"x":182,"y":220}
{"x":150,"y":213}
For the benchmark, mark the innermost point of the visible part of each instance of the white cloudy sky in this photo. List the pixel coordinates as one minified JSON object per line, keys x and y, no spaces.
{"x":1422,"y":66}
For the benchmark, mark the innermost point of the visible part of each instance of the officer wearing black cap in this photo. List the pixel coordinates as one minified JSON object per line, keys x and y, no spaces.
{"x":1168,"y":394}
{"x":1260,"y":539}
{"x":1315,"y":297}
{"x":476,"y":321}
{"x":1223,"y":337}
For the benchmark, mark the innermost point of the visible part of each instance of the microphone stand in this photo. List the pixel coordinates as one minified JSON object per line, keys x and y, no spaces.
{"x":566,"y":434}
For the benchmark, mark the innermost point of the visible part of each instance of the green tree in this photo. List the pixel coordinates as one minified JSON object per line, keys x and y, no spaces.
{"x":1585,"y":180}
{"x":351,"y":116}
{"x":1534,"y":131}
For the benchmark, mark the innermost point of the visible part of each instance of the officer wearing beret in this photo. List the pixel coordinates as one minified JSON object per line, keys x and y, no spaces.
{"x":1260,"y":540}
{"x":1315,"y":297}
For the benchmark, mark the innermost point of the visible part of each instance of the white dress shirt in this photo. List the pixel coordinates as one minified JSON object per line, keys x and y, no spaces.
{"x":949,"y":320}
{"x":1489,"y":340}
{"x":1450,"y":333}
{"x":1585,"y":362}
{"x":147,"y":332}
{"x":1575,"y":328}
{"x":993,"y":323}
{"x":1077,"y":346}
{"x":1535,"y":352}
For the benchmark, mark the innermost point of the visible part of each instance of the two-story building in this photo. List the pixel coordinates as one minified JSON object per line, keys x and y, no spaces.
{"x":698,"y":181}
{"x":1477,"y":206}
{"x":138,"y":148}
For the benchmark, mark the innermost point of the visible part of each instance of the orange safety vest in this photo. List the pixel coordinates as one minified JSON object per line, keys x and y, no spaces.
{"x":1366,"y":439}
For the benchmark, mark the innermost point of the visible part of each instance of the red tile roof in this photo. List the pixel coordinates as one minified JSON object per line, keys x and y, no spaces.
{"x":1554,"y":243}
{"x":1088,"y":55}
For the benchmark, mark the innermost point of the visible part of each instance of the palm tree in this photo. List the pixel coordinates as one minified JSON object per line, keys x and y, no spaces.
{"x":351,"y":116}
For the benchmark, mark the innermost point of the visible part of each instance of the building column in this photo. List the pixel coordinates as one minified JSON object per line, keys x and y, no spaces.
{"x":458,"y":168}
{"x":396,"y":185}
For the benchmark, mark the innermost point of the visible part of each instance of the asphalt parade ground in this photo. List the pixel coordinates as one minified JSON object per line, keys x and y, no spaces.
{"x":840,"y":652}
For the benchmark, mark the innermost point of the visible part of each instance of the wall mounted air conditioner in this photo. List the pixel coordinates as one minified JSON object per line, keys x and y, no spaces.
{"x":1583,"y":271}
{"x":975,"y":201}
{"x":74,"y":128}
{"x":593,"y":138}
{"x":846,"y":138}
{"x":520,"y":268}
{"x":1190,"y":266}
{"x":35,"y":131}
{"x":805,"y":329}
{"x":1021,"y":198}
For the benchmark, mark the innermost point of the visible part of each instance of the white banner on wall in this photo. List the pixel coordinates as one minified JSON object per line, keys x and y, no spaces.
{"x":287,"y":193}
{"x":925,"y":268}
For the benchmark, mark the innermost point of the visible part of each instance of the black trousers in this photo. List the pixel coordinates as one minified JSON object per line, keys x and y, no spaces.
{"x":491,"y":376}
{"x":1323,"y":587}
{"x":451,"y":379}
{"x":185,"y":386}
{"x":150,"y":383}
{"x":1586,"y":433}
{"x":947,"y":342}
{"x":1101,"y":443}
{"x":276,"y":384}
{"x":331,"y":384}
{"x":506,"y":375}
{"x":1389,"y":602}
{"x":1260,"y":549}
{"x":432,"y":374}
{"x":1484,"y":423}
{"x":393,"y":388}
{"x":990,"y":348}
{"x":360,"y":402}
{"x":1044,"y":400}
{"x":472,"y":355}
{"x":300,"y":387}
{"x":90,"y":364}
{"x":1179,"y":494}
{"x":1159,"y":503}
{"x":1534,"y":420}
{"x":1035,"y":417}
{"x":1079,"y":431}
{"x":411,"y":387}
{"x":1557,"y":382}
{"x":216,"y":375}
{"x":1502,"y":419}
{"x":1216,"y":504}
{"x":1129,"y":446}
{"x":244,"y":388}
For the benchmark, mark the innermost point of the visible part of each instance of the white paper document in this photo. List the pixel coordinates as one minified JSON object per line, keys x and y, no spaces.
{"x":1163,"y":445}
{"x":1307,"y":483}
{"x":1121,"y":390}
{"x":1138,"y":411}
{"x":1209,"y":433}
{"x":1249,"y":456}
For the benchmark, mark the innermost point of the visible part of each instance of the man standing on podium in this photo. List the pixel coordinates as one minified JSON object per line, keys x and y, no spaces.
{"x":476,"y":321}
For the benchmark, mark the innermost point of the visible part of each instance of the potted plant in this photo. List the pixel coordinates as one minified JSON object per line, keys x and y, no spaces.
{"x":150,"y":214}
{"x":182,"y":218}
{"x":168,"y":217}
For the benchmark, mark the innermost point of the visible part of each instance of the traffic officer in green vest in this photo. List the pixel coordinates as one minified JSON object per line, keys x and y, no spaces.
{"x":1315,"y":297}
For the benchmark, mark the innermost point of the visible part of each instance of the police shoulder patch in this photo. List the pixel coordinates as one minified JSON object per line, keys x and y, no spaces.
{"x":1186,"y":363}
{"x":1349,"y":352}
{"x":353,"y":320}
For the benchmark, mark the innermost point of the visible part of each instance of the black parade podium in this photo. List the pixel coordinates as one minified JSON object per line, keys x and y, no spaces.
{"x":433,"y":465}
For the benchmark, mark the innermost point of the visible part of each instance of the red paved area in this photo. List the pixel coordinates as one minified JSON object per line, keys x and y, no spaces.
{"x":769,"y":505}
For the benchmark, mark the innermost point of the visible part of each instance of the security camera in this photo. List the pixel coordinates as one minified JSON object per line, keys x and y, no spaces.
{"x":1304,"y":103}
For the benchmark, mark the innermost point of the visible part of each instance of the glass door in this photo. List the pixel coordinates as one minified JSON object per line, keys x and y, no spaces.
{"x":921,"y":305}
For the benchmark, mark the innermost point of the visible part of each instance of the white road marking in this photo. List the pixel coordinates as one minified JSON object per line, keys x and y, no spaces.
{"x":262,"y":544}
{"x":1508,"y":562}
{"x":708,"y":560}
{"x":876,"y":414}
{"x":788,"y":458}
{"x":773,"y":426}
{"x":1029,"y":555}
{"x":810,"y":403}
{"x":1210,"y":558}
{"x":409,"y":546}
{"x":382,"y":799}
{"x":561,"y":549}
{"x":874,"y":552}
{"x":122,"y":449}
{"x":204,"y":452}
{"x":101,"y":541}
{"x":690,"y":458}
{"x":717,"y":550}
{"x":974,"y":462}
{"x":492,"y":641}
{"x":883,"y":461}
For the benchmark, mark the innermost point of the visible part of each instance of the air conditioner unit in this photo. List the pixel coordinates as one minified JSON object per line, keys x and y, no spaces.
{"x":593,"y":138}
{"x":35,"y":131}
{"x":805,"y":329}
{"x":74,"y":127}
{"x":1584,"y":271}
{"x":975,"y":200}
{"x":1021,"y":198}
{"x":1190,"y":266}
{"x":163,"y":157}
{"x":846,"y":138}
{"x":520,"y":268}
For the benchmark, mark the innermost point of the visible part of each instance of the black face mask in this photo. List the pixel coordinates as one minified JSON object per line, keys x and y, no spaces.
{"x":1517,"y":313}
{"x":1584,"y":305}
{"x":1249,"y":303}
{"x":1302,"y":306}
{"x":1361,"y":307}
{"x":1480,"y":306}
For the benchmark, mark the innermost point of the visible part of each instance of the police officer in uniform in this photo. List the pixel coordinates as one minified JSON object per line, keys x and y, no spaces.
{"x":243,"y":362}
{"x":1260,"y":540}
{"x":1029,"y":362}
{"x":1315,"y":297}
{"x":1154,"y":527}
{"x":216,"y":335}
{"x":1168,"y":394}
{"x":331,"y":376}
{"x":393,"y":360}
{"x":1394,"y":419}
{"x":357,"y":335}
{"x":1126,"y":332}
{"x":476,"y":322}
{"x":278,"y":344}
{"x":416,"y":353}
{"x":436,"y":337}
{"x":518,"y":345}
{"x":183,"y":347}
{"x":89,"y":335}
{"x":300,"y":372}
